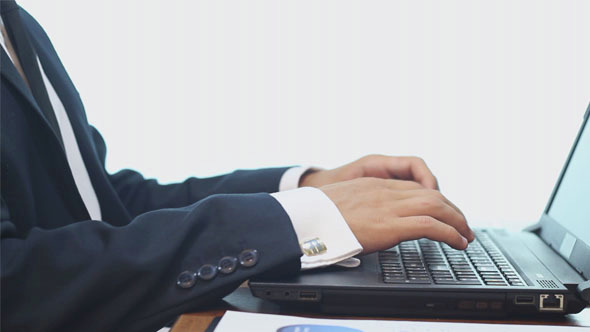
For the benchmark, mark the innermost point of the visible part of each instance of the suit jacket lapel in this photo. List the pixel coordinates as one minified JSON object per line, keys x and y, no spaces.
{"x":12,"y":75}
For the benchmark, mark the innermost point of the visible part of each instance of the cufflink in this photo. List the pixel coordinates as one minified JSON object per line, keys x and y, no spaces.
{"x":313,"y":247}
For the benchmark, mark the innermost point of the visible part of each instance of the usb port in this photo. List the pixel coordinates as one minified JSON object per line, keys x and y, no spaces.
{"x":308,"y":295}
{"x":551,"y":302}
{"x":524,"y":299}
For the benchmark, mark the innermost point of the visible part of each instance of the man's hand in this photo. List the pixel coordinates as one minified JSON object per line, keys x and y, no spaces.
{"x":376,"y":166}
{"x":382,"y":213}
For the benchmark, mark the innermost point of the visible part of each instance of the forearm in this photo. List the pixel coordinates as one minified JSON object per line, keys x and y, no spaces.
{"x":141,"y":195}
{"x":107,"y":275}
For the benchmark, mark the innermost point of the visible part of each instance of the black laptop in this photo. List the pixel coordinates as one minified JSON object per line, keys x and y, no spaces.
{"x":543,"y":270}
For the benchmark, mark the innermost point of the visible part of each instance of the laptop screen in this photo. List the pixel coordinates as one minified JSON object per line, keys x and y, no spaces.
{"x":565,"y":225}
{"x":571,"y":204}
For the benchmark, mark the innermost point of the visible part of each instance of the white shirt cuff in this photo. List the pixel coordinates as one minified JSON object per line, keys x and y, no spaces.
{"x":291,"y":177}
{"x":314,"y":215}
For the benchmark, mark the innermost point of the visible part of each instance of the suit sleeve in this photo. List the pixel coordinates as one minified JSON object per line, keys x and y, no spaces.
{"x":131,"y":272}
{"x":141,"y":195}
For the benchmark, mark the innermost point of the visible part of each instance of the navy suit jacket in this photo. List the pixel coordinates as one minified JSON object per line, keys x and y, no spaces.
{"x":62,"y":271}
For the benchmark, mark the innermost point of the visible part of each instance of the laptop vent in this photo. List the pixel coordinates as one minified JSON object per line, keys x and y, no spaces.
{"x":547,"y":283}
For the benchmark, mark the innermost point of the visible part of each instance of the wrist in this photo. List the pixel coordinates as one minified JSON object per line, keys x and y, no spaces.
{"x":307,"y":178}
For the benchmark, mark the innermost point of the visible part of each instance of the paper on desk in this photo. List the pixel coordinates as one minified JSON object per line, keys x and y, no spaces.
{"x":242,"y":321}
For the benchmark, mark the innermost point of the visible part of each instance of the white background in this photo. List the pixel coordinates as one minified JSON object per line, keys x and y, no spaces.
{"x":489,"y":93}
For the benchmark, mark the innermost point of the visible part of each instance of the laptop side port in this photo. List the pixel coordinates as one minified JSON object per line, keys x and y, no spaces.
{"x":524,"y":299}
{"x":551,"y":302}
{"x":308,"y":296}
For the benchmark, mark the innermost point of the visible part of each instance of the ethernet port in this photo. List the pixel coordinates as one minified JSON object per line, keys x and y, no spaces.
{"x":551,"y":302}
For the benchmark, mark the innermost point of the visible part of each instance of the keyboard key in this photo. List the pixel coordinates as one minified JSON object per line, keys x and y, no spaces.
{"x":395,"y":281}
{"x":462,"y":268}
{"x":419,"y":261}
{"x":419,"y":278}
{"x":422,"y":281}
{"x":438,"y":279}
{"x":457,"y":282}
{"x":412,"y":260}
{"x":486,"y":268}
{"x":438,"y":267}
{"x":458,"y":260}
{"x":469,"y":279}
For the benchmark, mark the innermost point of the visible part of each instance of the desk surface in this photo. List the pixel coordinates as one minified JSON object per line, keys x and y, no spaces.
{"x":242,"y":300}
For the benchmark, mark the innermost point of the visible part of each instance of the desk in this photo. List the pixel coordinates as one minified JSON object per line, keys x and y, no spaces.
{"x":242,"y":300}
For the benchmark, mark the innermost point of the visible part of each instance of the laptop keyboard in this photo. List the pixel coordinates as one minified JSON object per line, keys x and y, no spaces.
{"x":429,"y":262}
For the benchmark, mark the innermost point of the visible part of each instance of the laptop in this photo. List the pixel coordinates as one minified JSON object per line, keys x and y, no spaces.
{"x":543,"y":270}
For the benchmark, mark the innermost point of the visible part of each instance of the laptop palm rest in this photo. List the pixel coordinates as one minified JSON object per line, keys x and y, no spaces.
{"x":553,"y":261}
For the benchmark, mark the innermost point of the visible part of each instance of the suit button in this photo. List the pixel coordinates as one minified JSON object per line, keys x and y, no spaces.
{"x":207,"y":272}
{"x":186,"y":279}
{"x":248,"y":257}
{"x":227,"y":264}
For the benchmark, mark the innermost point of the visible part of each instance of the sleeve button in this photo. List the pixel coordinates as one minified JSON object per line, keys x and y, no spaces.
{"x":207,"y":272}
{"x":227,"y":264}
{"x":186,"y":279}
{"x":248,"y":257}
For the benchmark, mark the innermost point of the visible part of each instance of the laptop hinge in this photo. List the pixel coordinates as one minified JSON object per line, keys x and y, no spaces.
{"x":534,"y":228}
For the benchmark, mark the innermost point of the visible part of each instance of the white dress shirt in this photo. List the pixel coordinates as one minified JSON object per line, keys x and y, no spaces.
{"x":312,"y":213}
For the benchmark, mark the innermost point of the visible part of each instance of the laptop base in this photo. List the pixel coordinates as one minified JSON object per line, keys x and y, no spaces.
{"x":362,"y":291}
